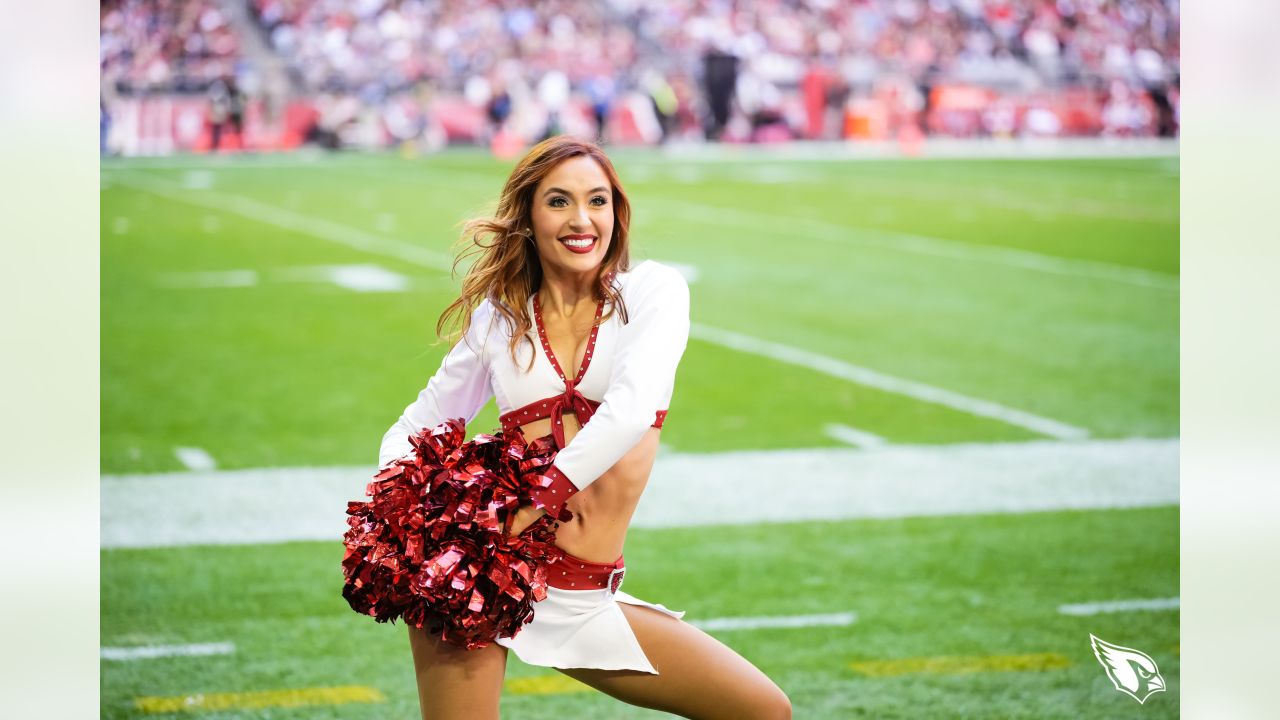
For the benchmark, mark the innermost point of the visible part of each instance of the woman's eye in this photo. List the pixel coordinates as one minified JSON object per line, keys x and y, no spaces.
{"x":561,"y":202}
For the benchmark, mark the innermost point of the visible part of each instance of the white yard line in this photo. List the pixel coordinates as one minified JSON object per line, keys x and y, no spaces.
{"x":919,"y":244}
{"x":294,"y":221}
{"x":209,"y":279}
{"x":156,"y":651}
{"x":853,"y":436}
{"x":838,"y":368}
{"x":685,"y":490}
{"x":217,"y":162}
{"x":776,"y":621}
{"x":741,"y":217}
{"x":1115,"y":606}
{"x":690,"y":272}
{"x":197,"y":180}
{"x":195,"y":458}
{"x":427,"y":258}
{"x":930,"y":149}
{"x":366,"y":277}
{"x":807,"y":152}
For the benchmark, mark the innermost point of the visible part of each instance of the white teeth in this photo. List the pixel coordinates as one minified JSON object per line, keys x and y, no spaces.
{"x":579,"y":243}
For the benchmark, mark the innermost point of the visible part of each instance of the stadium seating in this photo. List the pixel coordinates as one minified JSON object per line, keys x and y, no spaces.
{"x":461,"y":71}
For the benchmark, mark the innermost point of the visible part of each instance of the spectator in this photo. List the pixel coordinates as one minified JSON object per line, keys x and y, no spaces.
{"x":806,"y":58}
{"x":226,"y":110}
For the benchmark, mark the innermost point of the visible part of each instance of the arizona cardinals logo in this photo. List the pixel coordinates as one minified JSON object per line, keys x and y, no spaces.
{"x":1133,"y":672}
{"x":615,"y":580}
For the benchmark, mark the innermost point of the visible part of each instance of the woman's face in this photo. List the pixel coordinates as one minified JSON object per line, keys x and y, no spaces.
{"x":573,"y":216}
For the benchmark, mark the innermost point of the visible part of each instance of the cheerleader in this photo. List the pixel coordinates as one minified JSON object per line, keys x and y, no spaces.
{"x":579,"y":347}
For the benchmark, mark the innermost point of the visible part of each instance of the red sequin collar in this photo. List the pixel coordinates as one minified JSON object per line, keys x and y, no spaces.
{"x":572,"y":400}
{"x":551,"y":356}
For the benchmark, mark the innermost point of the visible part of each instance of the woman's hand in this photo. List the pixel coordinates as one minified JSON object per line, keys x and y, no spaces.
{"x":525,"y":516}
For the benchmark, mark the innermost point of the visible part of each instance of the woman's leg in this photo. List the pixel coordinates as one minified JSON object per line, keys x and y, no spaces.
{"x":699,"y":677}
{"x":457,"y":684}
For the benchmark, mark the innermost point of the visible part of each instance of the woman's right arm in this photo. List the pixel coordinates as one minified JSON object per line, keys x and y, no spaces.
{"x":460,"y":388}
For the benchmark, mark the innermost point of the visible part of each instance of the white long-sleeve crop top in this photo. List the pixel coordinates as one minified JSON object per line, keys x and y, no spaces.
{"x":625,"y":383}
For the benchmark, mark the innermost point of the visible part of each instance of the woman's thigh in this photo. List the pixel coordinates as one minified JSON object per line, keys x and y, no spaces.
{"x":699,"y":677}
{"x":456,"y":683}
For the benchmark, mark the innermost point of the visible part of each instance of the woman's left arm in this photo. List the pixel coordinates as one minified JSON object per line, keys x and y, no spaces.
{"x":649,"y":349}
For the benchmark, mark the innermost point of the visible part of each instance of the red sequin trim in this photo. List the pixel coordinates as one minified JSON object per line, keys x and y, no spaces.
{"x":546,"y":344}
{"x":540,"y":410}
{"x":551,"y":490}
{"x":572,"y":400}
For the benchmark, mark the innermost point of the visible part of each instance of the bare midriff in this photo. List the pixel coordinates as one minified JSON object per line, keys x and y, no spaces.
{"x":602,"y":512}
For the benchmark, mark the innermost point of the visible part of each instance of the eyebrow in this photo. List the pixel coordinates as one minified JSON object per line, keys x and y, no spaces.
{"x":566,"y":192}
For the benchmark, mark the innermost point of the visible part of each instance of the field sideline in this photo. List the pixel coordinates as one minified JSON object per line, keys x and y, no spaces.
{"x":942,"y":338}
{"x":685,"y":490}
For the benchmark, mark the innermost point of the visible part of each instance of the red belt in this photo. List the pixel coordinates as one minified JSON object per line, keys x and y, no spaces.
{"x":571,"y":573}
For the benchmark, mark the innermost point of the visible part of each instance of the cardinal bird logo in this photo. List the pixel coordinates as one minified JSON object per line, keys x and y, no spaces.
{"x":1133,"y":672}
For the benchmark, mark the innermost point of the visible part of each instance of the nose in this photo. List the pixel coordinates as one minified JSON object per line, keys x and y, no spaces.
{"x":579,"y":220}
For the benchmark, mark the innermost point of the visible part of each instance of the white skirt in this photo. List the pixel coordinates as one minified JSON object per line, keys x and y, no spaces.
{"x":583,"y":629}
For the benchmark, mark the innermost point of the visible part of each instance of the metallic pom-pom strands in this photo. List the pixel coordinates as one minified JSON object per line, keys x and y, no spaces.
{"x":431,"y":544}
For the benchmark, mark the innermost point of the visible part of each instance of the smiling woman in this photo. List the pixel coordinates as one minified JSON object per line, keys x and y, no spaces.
{"x":578,"y":218}
{"x":562,"y":193}
{"x":580,"y":351}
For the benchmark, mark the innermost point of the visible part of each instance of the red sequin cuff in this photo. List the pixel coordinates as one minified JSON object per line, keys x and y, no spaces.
{"x":550,"y":492}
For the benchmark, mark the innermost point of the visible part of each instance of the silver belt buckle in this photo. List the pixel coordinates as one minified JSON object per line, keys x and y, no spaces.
{"x":615,"y":579}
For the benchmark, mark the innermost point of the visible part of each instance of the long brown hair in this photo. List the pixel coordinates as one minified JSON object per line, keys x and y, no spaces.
{"x":507,"y":270}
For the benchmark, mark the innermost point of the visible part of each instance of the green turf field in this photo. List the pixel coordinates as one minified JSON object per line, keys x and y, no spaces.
{"x":985,"y":585}
{"x":1046,"y":287}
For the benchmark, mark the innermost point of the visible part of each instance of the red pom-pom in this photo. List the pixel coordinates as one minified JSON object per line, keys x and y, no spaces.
{"x":431,"y":544}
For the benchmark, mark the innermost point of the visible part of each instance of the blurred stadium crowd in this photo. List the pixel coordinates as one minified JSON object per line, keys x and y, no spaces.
{"x":271,"y":74}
